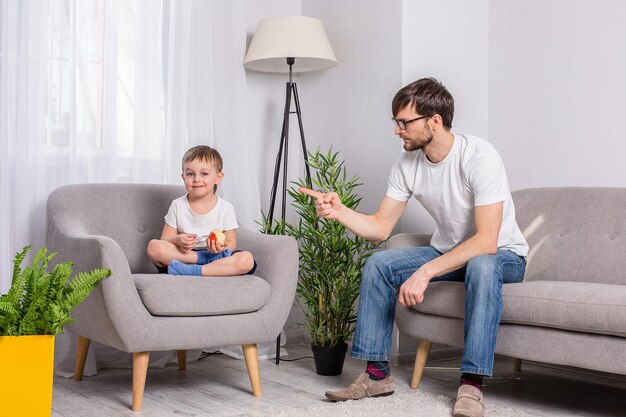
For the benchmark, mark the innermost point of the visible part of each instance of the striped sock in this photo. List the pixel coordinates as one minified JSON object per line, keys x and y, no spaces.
{"x":179,"y":268}
{"x":474,"y":380}
{"x":378,"y":370}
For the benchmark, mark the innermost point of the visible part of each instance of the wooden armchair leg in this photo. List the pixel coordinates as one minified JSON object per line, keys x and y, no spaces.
{"x":252,"y":363}
{"x":81,"y":356}
{"x":423,"y":349}
{"x":517,"y":364}
{"x":140,"y":369}
{"x":182,"y":360}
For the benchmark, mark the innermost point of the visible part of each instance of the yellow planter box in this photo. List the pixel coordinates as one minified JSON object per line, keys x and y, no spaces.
{"x":26,"y":373}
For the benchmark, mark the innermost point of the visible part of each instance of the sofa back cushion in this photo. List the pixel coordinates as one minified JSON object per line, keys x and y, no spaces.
{"x":574,"y":233}
{"x":130,"y":214}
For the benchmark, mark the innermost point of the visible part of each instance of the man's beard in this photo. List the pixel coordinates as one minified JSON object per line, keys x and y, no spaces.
{"x":414,"y":145}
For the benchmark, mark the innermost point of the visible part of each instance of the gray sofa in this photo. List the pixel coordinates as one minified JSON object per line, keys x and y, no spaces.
{"x":137,"y":310}
{"x":571,"y":307}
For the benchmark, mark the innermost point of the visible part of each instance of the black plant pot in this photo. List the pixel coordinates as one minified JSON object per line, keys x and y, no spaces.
{"x":329,"y":360}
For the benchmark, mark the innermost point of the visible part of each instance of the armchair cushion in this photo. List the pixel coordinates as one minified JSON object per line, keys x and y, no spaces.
{"x":167,"y":295}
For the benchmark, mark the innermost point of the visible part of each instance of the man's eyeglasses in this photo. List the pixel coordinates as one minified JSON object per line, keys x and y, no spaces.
{"x":402,"y":123}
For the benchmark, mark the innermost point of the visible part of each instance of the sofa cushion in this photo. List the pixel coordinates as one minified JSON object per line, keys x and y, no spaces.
{"x":575,"y":306}
{"x":167,"y":295}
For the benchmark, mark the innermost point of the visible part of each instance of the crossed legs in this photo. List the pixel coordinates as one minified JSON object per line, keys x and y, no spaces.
{"x":162,"y":253}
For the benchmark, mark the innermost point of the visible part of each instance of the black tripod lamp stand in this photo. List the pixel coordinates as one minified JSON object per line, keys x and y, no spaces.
{"x":283,"y":149}
{"x":301,"y":43}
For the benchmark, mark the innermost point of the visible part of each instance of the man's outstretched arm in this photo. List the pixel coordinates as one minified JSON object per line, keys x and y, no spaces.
{"x":374,"y":227}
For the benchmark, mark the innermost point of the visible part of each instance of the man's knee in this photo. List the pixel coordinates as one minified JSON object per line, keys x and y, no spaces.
{"x":376,"y":266}
{"x":483,"y":278}
{"x":482,"y":265}
{"x":377,"y":262}
{"x":482,"y":271}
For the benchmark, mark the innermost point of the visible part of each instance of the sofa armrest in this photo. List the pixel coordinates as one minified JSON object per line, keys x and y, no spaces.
{"x":408,"y":240}
{"x":114,"y":306}
{"x":277,"y":263}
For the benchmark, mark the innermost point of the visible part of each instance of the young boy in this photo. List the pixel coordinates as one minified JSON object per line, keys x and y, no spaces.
{"x":185,"y":247}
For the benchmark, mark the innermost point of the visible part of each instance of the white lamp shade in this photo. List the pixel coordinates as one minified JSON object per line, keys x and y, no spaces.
{"x":299,"y":37}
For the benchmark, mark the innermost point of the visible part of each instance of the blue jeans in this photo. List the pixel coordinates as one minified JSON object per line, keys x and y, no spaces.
{"x":386,"y":271}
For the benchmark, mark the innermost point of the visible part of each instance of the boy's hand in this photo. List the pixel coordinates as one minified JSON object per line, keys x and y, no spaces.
{"x":214,"y":246}
{"x":327,"y":205}
{"x":186,"y":241}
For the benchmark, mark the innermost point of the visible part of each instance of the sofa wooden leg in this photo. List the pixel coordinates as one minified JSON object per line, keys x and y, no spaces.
{"x":517,"y":364}
{"x":252,"y":363}
{"x":182,"y":360}
{"x":140,"y":369}
{"x":423,"y":349}
{"x":81,"y":356}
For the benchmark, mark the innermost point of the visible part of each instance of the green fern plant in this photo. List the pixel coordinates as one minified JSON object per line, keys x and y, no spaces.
{"x":39,"y":301}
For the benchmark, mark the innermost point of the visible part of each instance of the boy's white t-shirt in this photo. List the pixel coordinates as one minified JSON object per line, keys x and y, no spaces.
{"x":472,"y":174}
{"x":181,"y":217}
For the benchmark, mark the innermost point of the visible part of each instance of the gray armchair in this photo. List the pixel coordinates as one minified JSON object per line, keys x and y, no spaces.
{"x":137,"y":310}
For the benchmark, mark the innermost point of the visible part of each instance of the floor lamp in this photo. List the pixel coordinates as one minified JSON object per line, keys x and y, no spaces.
{"x":288,"y":44}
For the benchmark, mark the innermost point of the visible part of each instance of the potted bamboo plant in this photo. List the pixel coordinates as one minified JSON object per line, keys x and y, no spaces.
{"x":331,"y":259}
{"x":32,"y":312}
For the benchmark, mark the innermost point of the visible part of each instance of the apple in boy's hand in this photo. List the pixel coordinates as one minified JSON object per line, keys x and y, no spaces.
{"x":218,"y":236}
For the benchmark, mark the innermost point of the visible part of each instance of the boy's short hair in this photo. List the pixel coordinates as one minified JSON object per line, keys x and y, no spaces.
{"x":428,"y":97}
{"x":204,"y":153}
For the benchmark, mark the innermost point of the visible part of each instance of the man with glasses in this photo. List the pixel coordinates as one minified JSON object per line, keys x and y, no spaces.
{"x":461,"y":181}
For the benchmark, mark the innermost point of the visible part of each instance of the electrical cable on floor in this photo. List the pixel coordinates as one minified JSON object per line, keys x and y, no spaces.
{"x":294,"y":359}
{"x":205,"y":355}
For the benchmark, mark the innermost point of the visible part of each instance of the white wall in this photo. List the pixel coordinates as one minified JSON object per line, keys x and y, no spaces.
{"x":447,"y":40}
{"x":543,"y":81}
{"x":557,"y":100}
{"x":348,"y":107}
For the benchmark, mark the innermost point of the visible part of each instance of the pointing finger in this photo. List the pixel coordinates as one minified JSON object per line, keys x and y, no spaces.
{"x":314,"y":194}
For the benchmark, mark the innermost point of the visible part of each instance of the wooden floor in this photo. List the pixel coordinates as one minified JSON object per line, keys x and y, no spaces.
{"x":218,"y":386}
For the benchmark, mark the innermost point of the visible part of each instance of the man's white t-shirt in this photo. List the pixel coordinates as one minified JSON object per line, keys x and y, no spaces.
{"x":472,"y":174}
{"x":181,"y":217}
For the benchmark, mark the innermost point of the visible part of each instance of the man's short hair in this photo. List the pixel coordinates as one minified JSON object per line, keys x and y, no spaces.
{"x":204,"y":153}
{"x":428,"y":97}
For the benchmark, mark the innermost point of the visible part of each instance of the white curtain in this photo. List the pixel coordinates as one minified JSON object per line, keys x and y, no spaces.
{"x":116,"y":91}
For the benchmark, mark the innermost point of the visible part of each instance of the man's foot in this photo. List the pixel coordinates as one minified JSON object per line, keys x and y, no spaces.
{"x":363,"y":387}
{"x":469,"y":402}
